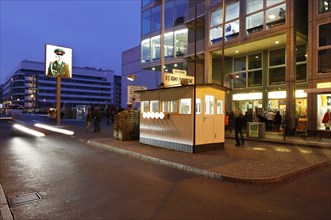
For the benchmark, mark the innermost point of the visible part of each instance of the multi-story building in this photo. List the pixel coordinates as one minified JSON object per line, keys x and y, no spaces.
{"x":28,"y":87}
{"x":263,"y":42}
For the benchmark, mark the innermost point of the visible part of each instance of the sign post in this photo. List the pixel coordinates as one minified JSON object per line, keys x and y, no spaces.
{"x":58,"y":100}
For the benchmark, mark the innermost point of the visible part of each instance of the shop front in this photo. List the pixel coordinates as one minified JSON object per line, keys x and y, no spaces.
{"x":168,"y":119}
{"x":248,"y":101}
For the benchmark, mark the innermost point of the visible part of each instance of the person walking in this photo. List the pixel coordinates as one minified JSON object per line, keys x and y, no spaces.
{"x":97,"y":120}
{"x":231,"y":121}
{"x":239,"y":124}
{"x":278,"y":120}
{"x":270,"y":118}
{"x":88,"y":120}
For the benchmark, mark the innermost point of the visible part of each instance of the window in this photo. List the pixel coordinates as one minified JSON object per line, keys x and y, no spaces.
{"x":145,"y":50}
{"x":169,"y":106}
{"x":209,"y":101}
{"x":185,"y":106}
{"x":277,"y":67}
{"x":181,"y":7}
{"x":324,"y":49}
{"x":154,"y":106}
{"x":273,"y":2}
{"x":181,"y":42}
{"x":254,"y":5}
{"x":249,"y":71}
{"x":146,"y":22}
{"x":301,"y":63}
{"x":156,"y":18}
{"x":324,"y":6}
{"x":198,"y":106}
{"x":155,"y":47}
{"x":145,"y":106}
{"x":276,"y":16}
{"x":145,"y":2}
{"x":219,"y":109}
{"x":231,"y":23}
{"x":169,"y":44}
{"x":254,"y":23}
{"x":169,"y":14}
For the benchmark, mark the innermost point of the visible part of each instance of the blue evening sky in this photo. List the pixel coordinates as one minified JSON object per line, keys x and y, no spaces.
{"x":98,"y":31}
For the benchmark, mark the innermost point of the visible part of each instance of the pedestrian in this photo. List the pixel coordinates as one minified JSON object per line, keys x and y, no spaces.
{"x":240,"y":123}
{"x":108,"y":114}
{"x":88,"y":120}
{"x":97,"y":120}
{"x":270,"y":118}
{"x":231,"y":121}
{"x":226,"y":121}
{"x":278,"y":120}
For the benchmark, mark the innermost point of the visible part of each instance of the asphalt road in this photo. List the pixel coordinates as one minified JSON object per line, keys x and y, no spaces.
{"x":78,"y":181}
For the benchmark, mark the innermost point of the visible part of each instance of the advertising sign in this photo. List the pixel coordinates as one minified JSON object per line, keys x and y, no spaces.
{"x":58,"y":61}
{"x":253,"y":130}
{"x":176,"y":80}
{"x":133,"y":96}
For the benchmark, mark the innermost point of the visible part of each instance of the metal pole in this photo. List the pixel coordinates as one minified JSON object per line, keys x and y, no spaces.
{"x":195,"y":74}
{"x":223,"y":40}
{"x":162,"y":40}
{"x":58,"y":100}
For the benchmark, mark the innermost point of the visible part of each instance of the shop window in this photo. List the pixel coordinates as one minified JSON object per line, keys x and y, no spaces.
{"x":155,"y":48}
{"x":254,"y":5}
{"x":232,"y":11}
{"x":144,"y":107}
{"x":169,"y":106}
{"x":276,"y":16}
{"x":169,"y":14}
{"x":154,"y":104}
{"x":323,"y":104}
{"x":219,"y":106}
{"x":198,"y":106}
{"x":185,"y":106}
{"x":181,"y":42}
{"x":324,"y":6}
{"x":156,"y":18}
{"x":209,"y":101}
{"x":254,"y":23}
{"x":145,"y":50}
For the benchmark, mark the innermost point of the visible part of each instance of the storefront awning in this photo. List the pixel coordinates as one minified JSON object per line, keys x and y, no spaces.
{"x":317,"y":90}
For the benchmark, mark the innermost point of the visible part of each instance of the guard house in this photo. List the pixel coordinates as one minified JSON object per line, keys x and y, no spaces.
{"x":167,"y":118}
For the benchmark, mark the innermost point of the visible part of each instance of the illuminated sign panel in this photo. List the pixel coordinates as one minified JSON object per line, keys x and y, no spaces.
{"x":58,"y":61}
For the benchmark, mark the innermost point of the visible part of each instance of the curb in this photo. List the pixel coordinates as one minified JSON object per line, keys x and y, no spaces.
{"x":4,"y":208}
{"x":288,"y":142}
{"x":210,"y":174}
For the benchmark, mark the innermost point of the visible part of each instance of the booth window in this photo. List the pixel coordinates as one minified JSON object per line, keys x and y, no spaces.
{"x":145,"y":106}
{"x":185,"y":106}
{"x":169,"y":106}
{"x":198,"y":106}
{"x":155,"y":106}
{"x":219,"y":107}
{"x":209,"y":99}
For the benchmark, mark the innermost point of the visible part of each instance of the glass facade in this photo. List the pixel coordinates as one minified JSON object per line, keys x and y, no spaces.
{"x":277,"y":67}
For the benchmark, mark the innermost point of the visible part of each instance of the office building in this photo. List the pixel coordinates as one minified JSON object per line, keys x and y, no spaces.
{"x":28,"y":87}
{"x":279,"y":50}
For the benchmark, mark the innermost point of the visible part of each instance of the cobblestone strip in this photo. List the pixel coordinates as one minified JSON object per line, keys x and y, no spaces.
{"x":4,"y":209}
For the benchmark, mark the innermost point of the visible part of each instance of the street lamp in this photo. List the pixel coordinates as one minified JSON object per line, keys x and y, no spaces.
{"x":132,"y":77}
{"x":231,"y":75}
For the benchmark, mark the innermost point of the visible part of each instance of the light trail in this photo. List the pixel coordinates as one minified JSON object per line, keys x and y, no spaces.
{"x":29,"y":131}
{"x":50,"y":128}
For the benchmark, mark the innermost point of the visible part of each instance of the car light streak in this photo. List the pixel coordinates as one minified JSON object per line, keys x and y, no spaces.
{"x":28,"y":130}
{"x":50,"y":128}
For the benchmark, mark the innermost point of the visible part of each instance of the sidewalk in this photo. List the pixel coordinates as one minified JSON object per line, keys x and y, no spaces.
{"x":260,"y":161}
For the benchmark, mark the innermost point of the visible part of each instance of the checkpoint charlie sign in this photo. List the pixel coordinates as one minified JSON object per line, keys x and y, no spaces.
{"x":171,"y":80}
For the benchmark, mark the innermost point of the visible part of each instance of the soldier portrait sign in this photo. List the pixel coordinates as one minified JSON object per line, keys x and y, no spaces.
{"x":58,"y":61}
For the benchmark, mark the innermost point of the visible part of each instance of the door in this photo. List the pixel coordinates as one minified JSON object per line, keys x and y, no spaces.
{"x":208,"y":118}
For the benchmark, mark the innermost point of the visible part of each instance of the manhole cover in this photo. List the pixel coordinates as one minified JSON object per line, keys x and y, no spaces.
{"x":23,"y":199}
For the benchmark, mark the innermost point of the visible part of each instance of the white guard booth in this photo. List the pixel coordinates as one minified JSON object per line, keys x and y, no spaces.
{"x":167,"y":118}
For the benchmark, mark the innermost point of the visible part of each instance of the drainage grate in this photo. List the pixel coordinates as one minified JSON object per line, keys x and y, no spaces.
{"x":23,"y":199}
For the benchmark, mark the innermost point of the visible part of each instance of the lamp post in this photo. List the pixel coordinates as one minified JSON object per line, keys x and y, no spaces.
{"x":231,"y":76}
{"x":132,"y":77}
